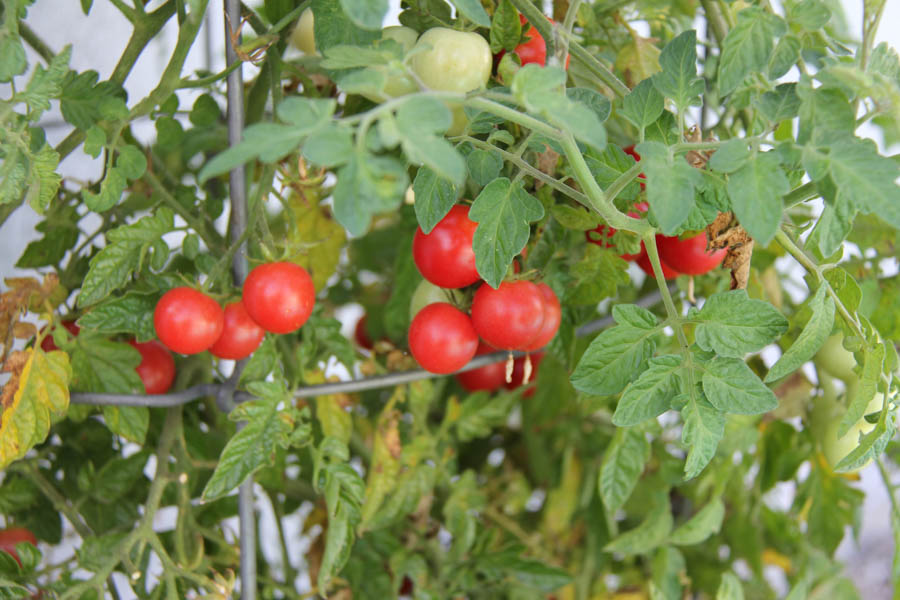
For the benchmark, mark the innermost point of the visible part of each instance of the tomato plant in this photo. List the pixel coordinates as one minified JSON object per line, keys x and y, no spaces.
{"x":15,"y":535}
{"x":707,"y":437}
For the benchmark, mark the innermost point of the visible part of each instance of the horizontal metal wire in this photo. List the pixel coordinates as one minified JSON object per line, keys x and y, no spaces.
{"x":322,"y":389}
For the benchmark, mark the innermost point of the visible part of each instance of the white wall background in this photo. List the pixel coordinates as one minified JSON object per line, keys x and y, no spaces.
{"x":97,"y":42}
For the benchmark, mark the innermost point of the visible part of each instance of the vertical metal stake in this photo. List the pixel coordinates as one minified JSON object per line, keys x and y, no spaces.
{"x":238,"y":187}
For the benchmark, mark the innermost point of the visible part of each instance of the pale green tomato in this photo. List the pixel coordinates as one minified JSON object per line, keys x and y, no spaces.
{"x":428,"y":293}
{"x":303,"y":37}
{"x":835,"y":360}
{"x":405,"y":36}
{"x":836,"y":448}
{"x":452,"y":61}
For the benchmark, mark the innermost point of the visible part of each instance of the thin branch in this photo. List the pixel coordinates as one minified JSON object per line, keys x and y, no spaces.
{"x":36,"y":43}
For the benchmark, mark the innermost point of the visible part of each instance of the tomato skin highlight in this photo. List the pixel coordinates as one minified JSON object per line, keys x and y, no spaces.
{"x":12,"y":536}
{"x":643,"y":261}
{"x":241,"y":335}
{"x":187,"y":321}
{"x":445,"y":257}
{"x":689,"y":256}
{"x":157,"y":368}
{"x":489,"y":377}
{"x":552,"y":319}
{"x":510,"y":317}
{"x":442,"y":339}
{"x":48,"y":345}
{"x":279,"y":296}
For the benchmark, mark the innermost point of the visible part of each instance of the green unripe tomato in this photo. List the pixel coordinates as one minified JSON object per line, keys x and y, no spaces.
{"x":835,"y":448}
{"x":452,"y":61}
{"x":405,"y":36}
{"x":303,"y":37}
{"x":428,"y":293}
{"x":835,"y":360}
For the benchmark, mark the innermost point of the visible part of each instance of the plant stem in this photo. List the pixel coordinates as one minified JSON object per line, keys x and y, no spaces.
{"x":799,"y":255}
{"x":599,"y":69}
{"x":58,"y":500}
{"x":213,"y":243}
{"x":36,"y":43}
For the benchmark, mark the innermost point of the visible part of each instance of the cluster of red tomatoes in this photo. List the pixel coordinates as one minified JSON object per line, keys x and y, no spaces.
{"x":677,"y":256}
{"x":277,"y":297}
{"x":519,"y":315}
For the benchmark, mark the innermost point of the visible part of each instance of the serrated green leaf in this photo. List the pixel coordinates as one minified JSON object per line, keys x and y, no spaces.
{"x":678,"y":79}
{"x":698,"y":528}
{"x":755,"y":191}
{"x":732,"y":387}
{"x":670,"y":185}
{"x":367,"y":14}
{"x":623,"y":464}
{"x":480,"y":413}
{"x":732,"y":324}
{"x":785,"y":56}
{"x":825,"y":116}
{"x":781,"y":103}
{"x":704,"y":426}
{"x":873,"y":364}
{"x":652,"y":532}
{"x":747,"y":47}
{"x":810,"y":14}
{"x":730,"y":156}
{"x":44,"y":181}
{"x":866,"y":178}
{"x":328,"y":146}
{"x":506,"y":29}
{"x":613,"y":358}
{"x":814,"y":334}
{"x":435,"y":196}
{"x":81,"y":95}
{"x":643,"y":105}
{"x":503,"y":211}
{"x":483,"y":166}
{"x":366,"y":186}
{"x":12,"y":55}
{"x":418,"y":121}
{"x":334,"y":27}
{"x":132,"y":313}
{"x":730,"y":588}
{"x":651,"y":394}
{"x":46,"y":84}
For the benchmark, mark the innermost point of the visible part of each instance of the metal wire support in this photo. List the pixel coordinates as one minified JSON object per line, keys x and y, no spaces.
{"x":238,"y":223}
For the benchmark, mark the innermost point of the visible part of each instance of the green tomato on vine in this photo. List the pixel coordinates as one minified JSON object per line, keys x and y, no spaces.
{"x":303,"y":36}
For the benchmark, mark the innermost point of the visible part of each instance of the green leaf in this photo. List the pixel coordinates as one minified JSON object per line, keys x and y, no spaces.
{"x":826,"y":115}
{"x":670,"y":185}
{"x":132,"y":314}
{"x":81,"y":95}
{"x":678,"y":79}
{"x":873,"y":364}
{"x":473,"y":11}
{"x":113,"y":266}
{"x":506,"y":29}
{"x":594,"y":100}
{"x":110,"y":192}
{"x":118,"y":476}
{"x":643,"y":105}
{"x":732,"y":387}
{"x":268,"y":425}
{"x":651,"y":394}
{"x":329,"y":146}
{"x":480,"y":413}
{"x":730,"y":156}
{"x":483,"y":166}
{"x":102,"y":365}
{"x":866,"y":178}
{"x":366,"y":186}
{"x":367,"y":14}
{"x":12,"y":55}
{"x":730,"y":588}
{"x":61,"y":233}
{"x":597,"y":276}
{"x":503,"y":211}
{"x":530,"y":573}
{"x":623,"y":464}
{"x":46,"y":84}
{"x":651,"y":533}
{"x":613,"y":358}
{"x":755,"y":191}
{"x":732,"y":324}
{"x":333,"y":26}
{"x":780,"y":104}
{"x":706,"y":522}
{"x":344,"y":492}
{"x":704,"y":426}
{"x":786,"y":55}
{"x":418,"y":120}
{"x":747,"y":47}
{"x":435,"y":196}
{"x":810,"y":14}
{"x":608,"y":165}
{"x":44,"y":181}
{"x":814,"y":334}
{"x":836,"y":221}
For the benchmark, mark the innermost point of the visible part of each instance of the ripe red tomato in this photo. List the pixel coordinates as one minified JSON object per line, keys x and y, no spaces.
{"x":441,"y":338}
{"x":406,"y":588}
{"x":489,"y":377}
{"x":279,"y":296}
{"x":689,"y":256}
{"x":241,"y":335}
{"x":510,"y":317}
{"x":48,"y":345}
{"x":361,"y":335}
{"x":187,"y":321}
{"x":12,"y":536}
{"x":596,"y":236}
{"x":518,"y":373}
{"x":534,"y":49}
{"x":637,"y":157}
{"x":552,"y":319}
{"x":643,"y":261}
{"x":157,"y":368}
{"x":445,"y":256}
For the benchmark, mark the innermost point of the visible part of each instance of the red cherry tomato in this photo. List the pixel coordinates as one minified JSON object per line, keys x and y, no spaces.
{"x":157,"y":368}
{"x":510,"y":317}
{"x":445,"y":256}
{"x":552,"y":319}
{"x":595,"y":236}
{"x":637,"y":157}
{"x":241,"y":335}
{"x":187,"y":321}
{"x":406,"y":588}
{"x":518,"y":374}
{"x":48,"y":345}
{"x":534,"y":49}
{"x":489,"y":377}
{"x":12,"y":536}
{"x":279,"y":296}
{"x":441,"y":338}
{"x":643,"y":261}
{"x":689,"y":256}
{"x":361,"y":335}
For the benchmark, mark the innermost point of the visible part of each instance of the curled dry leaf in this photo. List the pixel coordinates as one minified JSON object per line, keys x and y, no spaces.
{"x":726,"y":232}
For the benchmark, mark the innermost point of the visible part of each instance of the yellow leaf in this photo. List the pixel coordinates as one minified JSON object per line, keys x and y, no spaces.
{"x":562,"y":501}
{"x":638,"y":60}
{"x":314,"y":239}
{"x":385,"y":468}
{"x":33,"y":399}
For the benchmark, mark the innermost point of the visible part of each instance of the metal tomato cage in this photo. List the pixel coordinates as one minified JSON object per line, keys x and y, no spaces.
{"x":226,"y":394}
